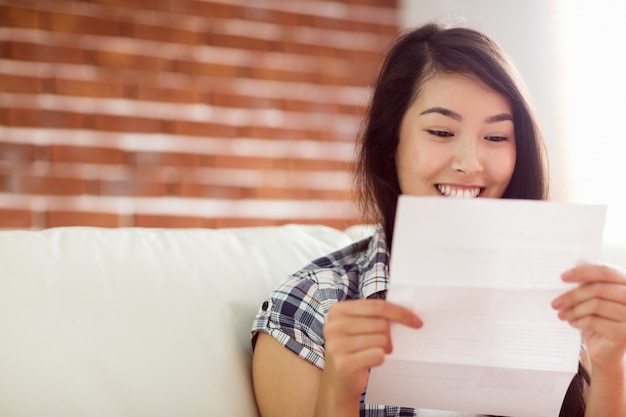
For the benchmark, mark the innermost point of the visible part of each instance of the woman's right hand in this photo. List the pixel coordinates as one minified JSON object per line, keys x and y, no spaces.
{"x":357,"y":338}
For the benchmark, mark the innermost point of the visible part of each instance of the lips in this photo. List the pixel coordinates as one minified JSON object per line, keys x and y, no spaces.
{"x":459,"y":192}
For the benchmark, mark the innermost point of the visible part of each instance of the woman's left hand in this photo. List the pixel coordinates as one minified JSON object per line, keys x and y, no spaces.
{"x":598,"y":308}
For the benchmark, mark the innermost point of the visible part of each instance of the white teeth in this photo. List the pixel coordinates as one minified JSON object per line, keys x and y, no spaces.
{"x":448,"y":191}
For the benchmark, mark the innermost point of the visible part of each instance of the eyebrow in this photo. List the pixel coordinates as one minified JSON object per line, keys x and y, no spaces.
{"x":443,"y":111}
{"x":456,"y":116}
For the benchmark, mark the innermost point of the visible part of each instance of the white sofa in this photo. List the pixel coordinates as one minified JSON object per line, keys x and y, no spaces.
{"x":141,"y":322}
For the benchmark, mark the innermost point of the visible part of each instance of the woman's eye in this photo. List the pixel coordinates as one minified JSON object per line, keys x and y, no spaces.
{"x":497,"y":138}
{"x":440,"y":133}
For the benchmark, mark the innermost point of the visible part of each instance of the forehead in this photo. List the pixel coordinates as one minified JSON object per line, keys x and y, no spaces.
{"x":460,"y":91}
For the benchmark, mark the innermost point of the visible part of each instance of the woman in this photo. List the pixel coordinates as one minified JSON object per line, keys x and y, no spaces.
{"x":449,"y":118}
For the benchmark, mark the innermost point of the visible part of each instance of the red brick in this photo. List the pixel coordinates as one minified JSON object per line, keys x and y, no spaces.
{"x":275,"y":74}
{"x":351,"y":109}
{"x":128,"y":61}
{"x":389,"y":31}
{"x":66,"y":22}
{"x":368,"y":71}
{"x":285,"y":18}
{"x":135,"y":4}
{"x":305,"y":106}
{"x":390,"y":4}
{"x":210,"y":223}
{"x":84,"y":88}
{"x":15,"y":219}
{"x":240,"y":42}
{"x":334,"y":23}
{"x":184,"y":127}
{"x":162,"y":221}
{"x":294,"y":19}
{"x":170,"y":95}
{"x":264,"y":132}
{"x":42,"y":118}
{"x":275,"y":193}
{"x":81,"y":218}
{"x":226,"y":99}
{"x":178,"y":7}
{"x":139,"y":78}
{"x":164,"y":34}
{"x":30,"y":184}
{"x":339,"y":224}
{"x":12,"y":16}
{"x":246,"y":222}
{"x":66,"y":153}
{"x":256,"y":13}
{"x":311,"y":49}
{"x":92,"y":186}
{"x":299,"y":194}
{"x":371,"y":57}
{"x":141,"y":159}
{"x":305,"y":20}
{"x":329,"y":134}
{"x":133,"y":187}
{"x":133,"y":78}
{"x":20,"y":84}
{"x":211,"y":191}
{"x":17,"y":154}
{"x":298,"y":164}
{"x":233,"y":161}
{"x":209,"y":9}
{"x":44,"y":53}
{"x":207,"y":69}
{"x":116,"y":123}
{"x":344,"y":73}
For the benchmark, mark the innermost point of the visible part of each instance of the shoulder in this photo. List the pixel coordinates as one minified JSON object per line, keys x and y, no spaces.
{"x":295,"y":312}
{"x":342,"y":274}
{"x":345,"y":261}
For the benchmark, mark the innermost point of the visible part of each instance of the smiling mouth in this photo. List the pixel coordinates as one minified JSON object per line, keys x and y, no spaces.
{"x":456,"y":192}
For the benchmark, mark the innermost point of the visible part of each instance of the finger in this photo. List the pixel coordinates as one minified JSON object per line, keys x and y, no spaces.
{"x":378,"y":309}
{"x":608,"y":329}
{"x":594,"y":273}
{"x":366,"y":325}
{"x":341,"y":326}
{"x":352,"y":344}
{"x":586,"y":292}
{"x":595,"y":307}
{"x":358,"y":361}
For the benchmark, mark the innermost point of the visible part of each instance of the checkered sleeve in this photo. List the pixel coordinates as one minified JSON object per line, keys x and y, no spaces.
{"x":294,"y":315}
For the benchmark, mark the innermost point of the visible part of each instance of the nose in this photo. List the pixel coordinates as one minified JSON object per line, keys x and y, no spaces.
{"x":467,"y":159}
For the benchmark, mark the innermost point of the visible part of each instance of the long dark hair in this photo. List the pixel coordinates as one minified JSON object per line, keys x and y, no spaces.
{"x":416,"y":56}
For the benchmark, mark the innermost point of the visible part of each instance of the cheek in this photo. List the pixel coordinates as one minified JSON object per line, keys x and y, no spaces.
{"x":416,"y":165}
{"x":505,"y":165}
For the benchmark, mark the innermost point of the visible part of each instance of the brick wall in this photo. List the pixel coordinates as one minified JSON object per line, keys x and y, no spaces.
{"x":184,"y":113}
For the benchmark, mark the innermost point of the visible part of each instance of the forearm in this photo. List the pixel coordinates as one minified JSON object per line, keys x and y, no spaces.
{"x":331,"y":403}
{"x":607,"y":393}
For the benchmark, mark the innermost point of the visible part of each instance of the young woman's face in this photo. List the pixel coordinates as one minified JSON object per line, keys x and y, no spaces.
{"x":456,"y":140}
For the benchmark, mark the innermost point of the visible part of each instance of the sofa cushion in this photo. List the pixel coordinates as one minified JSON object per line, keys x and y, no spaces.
{"x":139,"y":322}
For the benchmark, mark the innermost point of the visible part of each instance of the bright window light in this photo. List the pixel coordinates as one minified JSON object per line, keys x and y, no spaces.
{"x":594,"y":83}
{"x":594,"y":57}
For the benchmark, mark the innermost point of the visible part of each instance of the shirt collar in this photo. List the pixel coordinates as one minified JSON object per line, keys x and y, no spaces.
{"x":375,"y":278}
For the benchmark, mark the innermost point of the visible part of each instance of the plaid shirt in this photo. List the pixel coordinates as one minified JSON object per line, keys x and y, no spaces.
{"x":295,"y":313}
